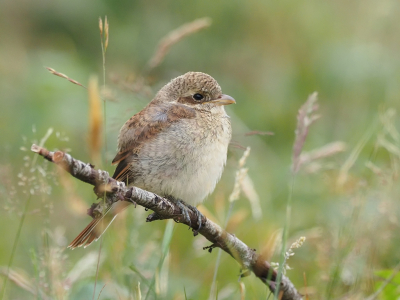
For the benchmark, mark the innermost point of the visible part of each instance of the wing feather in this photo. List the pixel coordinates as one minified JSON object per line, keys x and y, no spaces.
{"x":143,"y":127}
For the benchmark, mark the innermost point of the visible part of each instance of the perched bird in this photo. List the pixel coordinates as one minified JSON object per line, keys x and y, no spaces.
{"x":175,"y":147}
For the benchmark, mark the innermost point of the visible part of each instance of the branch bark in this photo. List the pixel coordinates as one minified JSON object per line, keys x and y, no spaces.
{"x":166,"y":209}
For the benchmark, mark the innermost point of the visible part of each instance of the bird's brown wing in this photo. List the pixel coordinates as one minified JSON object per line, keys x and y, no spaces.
{"x":143,"y":127}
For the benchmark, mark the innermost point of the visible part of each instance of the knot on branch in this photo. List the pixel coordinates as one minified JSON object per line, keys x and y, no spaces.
{"x":95,"y":210}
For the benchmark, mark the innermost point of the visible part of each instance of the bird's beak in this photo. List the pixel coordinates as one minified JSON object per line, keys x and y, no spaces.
{"x":223,"y":100}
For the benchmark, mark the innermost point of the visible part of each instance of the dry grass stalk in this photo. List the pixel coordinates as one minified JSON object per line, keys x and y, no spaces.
{"x":251,"y":194}
{"x":305,"y":118}
{"x":101,"y":291}
{"x":387,"y":119}
{"x":174,"y":37}
{"x":297,"y":244}
{"x":54,"y":263}
{"x":83,"y":268}
{"x":76,"y":204}
{"x":103,"y":34}
{"x":138,"y":293}
{"x":257,"y":132}
{"x":389,"y":137}
{"x":236,"y":219}
{"x":374,"y":168}
{"x":242,"y":289}
{"x":101,"y":26}
{"x":240,"y":175}
{"x":344,"y":170}
{"x":237,"y":145}
{"x":244,"y":157}
{"x":305,"y":286}
{"x":95,"y":120}
{"x":272,"y":245}
{"x":54,"y":72}
{"x":389,"y":146}
{"x":20,"y":279}
{"x":106,"y":34}
{"x":322,"y":152}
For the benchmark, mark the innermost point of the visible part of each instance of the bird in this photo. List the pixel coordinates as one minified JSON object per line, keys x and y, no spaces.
{"x":176,"y":147}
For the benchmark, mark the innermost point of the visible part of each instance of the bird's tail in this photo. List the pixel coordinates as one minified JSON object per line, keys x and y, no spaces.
{"x":98,"y":226}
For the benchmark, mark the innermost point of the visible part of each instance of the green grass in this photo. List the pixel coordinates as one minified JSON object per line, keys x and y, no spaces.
{"x":269,"y":56}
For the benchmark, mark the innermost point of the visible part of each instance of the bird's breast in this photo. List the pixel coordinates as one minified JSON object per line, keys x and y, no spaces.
{"x":186,"y":160}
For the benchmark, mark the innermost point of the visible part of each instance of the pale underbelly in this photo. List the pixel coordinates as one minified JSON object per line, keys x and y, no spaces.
{"x":187,"y":172}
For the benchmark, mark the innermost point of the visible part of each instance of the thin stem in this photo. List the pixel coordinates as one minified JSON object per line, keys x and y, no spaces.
{"x":169,"y":229}
{"x":234,"y":196}
{"x":213,"y":284}
{"x":285,"y":235}
{"x":100,"y":247}
{"x":103,"y":53}
{"x":97,"y":268}
{"x":21,"y":222}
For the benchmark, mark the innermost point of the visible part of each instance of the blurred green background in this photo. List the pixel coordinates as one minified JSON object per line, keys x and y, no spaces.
{"x":268,"y":55}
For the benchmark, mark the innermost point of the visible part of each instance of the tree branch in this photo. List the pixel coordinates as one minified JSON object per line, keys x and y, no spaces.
{"x":166,"y":209}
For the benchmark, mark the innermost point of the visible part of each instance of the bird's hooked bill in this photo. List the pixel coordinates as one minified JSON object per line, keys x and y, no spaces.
{"x":224,"y":100}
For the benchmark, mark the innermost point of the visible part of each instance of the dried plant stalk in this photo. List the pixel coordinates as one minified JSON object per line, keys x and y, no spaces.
{"x":174,"y":37}
{"x":258,"y":132}
{"x":305,"y":118}
{"x":106,"y":34}
{"x":54,"y":72}
{"x":20,"y":279}
{"x":251,"y":194}
{"x":322,"y":152}
{"x":95,"y":120}
{"x":345,"y":168}
{"x":101,"y":26}
{"x":240,"y":175}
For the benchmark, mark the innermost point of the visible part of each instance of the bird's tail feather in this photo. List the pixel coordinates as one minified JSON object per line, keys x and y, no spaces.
{"x":98,"y":226}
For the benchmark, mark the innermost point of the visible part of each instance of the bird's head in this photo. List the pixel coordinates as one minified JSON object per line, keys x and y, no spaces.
{"x":195,"y":89}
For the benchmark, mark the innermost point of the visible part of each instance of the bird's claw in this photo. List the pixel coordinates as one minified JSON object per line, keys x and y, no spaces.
{"x":184,"y":210}
{"x":184,"y":207}
{"x":199,"y":216}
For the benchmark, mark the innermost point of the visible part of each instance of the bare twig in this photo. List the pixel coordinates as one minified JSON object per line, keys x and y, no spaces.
{"x":166,"y":209}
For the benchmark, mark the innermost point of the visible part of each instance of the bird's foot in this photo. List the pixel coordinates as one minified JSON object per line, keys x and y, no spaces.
{"x":184,"y":209}
{"x":199,"y":217}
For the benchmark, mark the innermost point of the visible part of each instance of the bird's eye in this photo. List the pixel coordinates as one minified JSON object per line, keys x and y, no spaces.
{"x":198,"y":97}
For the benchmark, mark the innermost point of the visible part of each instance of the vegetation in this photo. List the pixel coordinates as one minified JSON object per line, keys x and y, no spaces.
{"x":342,"y":184}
